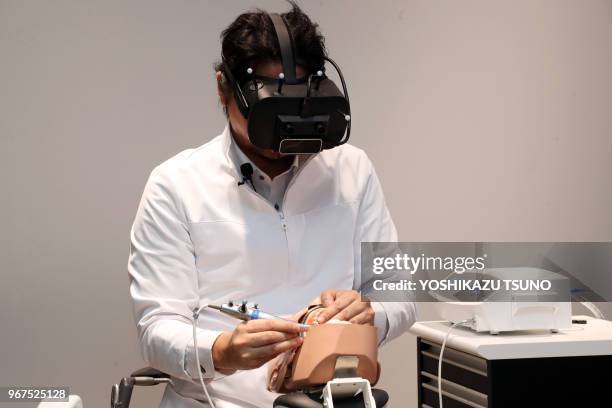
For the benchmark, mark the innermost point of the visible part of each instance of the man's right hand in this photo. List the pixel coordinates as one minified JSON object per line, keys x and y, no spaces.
{"x":254,"y":343}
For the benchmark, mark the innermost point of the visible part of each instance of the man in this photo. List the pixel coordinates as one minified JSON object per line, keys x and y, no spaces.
{"x":201,"y":236}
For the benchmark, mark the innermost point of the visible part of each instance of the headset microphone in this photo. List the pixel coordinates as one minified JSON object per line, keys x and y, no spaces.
{"x":246,"y":169}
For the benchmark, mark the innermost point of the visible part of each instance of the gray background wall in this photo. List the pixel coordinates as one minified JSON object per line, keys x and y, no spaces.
{"x":487,"y":120}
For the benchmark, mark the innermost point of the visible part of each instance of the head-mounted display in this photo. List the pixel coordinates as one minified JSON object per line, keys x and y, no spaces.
{"x":288,"y":114}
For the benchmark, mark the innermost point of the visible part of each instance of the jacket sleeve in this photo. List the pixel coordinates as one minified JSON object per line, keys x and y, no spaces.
{"x":374,"y":224}
{"x":164,"y":284}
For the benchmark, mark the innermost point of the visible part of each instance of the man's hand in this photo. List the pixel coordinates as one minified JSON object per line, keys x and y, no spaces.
{"x":346,"y":305}
{"x":254,"y":343}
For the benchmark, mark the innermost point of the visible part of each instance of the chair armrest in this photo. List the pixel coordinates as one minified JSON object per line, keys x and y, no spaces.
{"x":121,"y":393}
{"x":149,"y":372}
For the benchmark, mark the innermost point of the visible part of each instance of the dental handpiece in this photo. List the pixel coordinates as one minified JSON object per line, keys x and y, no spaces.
{"x":245,"y":312}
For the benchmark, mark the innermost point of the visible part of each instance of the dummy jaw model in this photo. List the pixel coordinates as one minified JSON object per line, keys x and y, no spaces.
{"x":334,"y":349}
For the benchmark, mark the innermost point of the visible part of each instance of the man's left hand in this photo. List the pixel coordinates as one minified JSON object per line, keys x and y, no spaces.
{"x":346,"y":305}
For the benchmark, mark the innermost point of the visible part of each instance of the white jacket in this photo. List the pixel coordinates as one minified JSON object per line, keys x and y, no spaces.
{"x":200,"y":238}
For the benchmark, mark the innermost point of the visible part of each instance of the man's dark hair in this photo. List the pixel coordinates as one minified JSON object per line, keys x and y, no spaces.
{"x":251,"y":39}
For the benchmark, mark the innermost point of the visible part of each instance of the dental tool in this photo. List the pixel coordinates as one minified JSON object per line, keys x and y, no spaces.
{"x":244,"y":311}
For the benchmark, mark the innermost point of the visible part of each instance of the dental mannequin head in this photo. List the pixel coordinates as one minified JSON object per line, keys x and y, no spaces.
{"x":326,"y":349}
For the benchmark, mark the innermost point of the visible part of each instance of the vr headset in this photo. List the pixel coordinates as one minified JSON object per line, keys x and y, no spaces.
{"x":291,"y":115}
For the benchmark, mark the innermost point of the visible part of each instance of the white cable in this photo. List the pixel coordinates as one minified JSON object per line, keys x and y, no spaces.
{"x":442,"y":353}
{"x":196,"y":314}
{"x":594,"y":309}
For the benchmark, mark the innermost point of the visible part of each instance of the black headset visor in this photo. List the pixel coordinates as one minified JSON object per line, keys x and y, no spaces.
{"x":293,"y":115}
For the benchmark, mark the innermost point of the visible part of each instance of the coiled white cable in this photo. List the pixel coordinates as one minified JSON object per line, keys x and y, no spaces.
{"x":196,"y":314}
{"x":442,"y":353}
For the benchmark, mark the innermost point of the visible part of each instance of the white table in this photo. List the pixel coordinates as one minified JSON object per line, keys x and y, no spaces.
{"x":517,"y":369}
{"x":591,"y":339}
